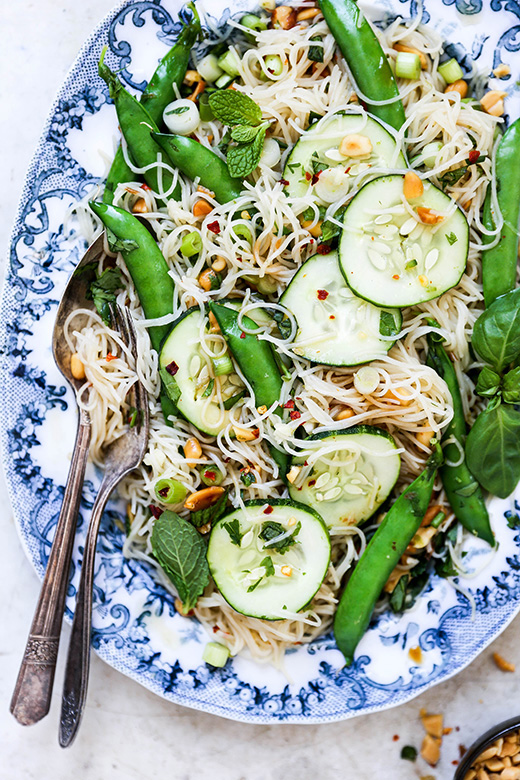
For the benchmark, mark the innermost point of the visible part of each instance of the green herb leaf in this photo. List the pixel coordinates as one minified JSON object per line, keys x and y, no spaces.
{"x":513,"y":520}
{"x":208,"y":389}
{"x":496,"y":335}
{"x":211,"y":514}
{"x":271,"y":530}
{"x":243,"y":134}
{"x":180,"y":110}
{"x":410,"y":264}
{"x":268,"y":564}
{"x":170,"y":384}
{"x":450,"y":178}
{"x":244,"y":158}
{"x":451,"y":238}
{"x":315,"y":53}
{"x":102,"y":292}
{"x":181,"y":552}
{"x":329,"y":231}
{"x":293,"y":166}
{"x":387,"y":324}
{"x":314,"y":117}
{"x":230,"y":402}
{"x":248,"y":478}
{"x":120,"y":244}
{"x":254,"y":585}
{"x":316,"y":164}
{"x":233,"y":529}
{"x":493,"y":449}
{"x":511,"y":386}
{"x":398,"y":594}
{"x":488,"y":383}
{"x":235,"y":108}
{"x":283,"y":322}
{"x":409,"y":753}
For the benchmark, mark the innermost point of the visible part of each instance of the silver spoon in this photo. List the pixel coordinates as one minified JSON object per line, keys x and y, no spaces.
{"x":32,"y":694}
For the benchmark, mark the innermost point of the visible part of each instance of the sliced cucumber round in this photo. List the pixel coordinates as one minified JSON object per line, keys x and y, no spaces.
{"x":269,"y":559}
{"x":191,"y":374}
{"x":392,"y":258}
{"x":351,"y":476}
{"x":318,"y":150}
{"x":335,"y":327}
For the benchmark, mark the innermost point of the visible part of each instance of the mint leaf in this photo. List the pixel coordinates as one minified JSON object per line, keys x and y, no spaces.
{"x":244,"y":133}
{"x":511,"y":387}
{"x":270,"y":532}
{"x":268,"y":564}
{"x":451,"y":238}
{"x":488,"y":383}
{"x":315,"y":53}
{"x":387,"y":324}
{"x":244,"y":158}
{"x":212,"y":513}
{"x":235,"y":108}
{"x":170,"y":384}
{"x":181,"y":552}
{"x":233,"y":529}
{"x":102,"y":292}
{"x":329,"y":231}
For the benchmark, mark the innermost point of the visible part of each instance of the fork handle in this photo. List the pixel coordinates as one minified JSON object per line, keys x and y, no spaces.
{"x":32,"y":694}
{"x":78,"y":658}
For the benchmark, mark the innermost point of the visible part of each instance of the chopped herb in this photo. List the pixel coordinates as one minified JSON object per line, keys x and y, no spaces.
{"x":315,"y":53}
{"x":513,"y":520}
{"x":268,"y":564}
{"x":387,"y":325}
{"x":410,"y":264}
{"x":409,"y":753}
{"x":209,"y":388}
{"x":102,"y":291}
{"x":254,"y":585}
{"x":329,"y":231}
{"x":451,"y":238}
{"x":316,"y":165}
{"x":314,"y":117}
{"x":271,"y":530}
{"x":292,"y":166}
{"x":170,"y":385}
{"x":248,"y":478}
{"x":180,"y":110}
{"x":233,"y":529}
{"x":211,"y":513}
{"x":233,"y":400}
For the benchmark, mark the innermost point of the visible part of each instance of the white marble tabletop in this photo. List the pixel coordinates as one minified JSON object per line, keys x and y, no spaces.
{"x":127,"y":732}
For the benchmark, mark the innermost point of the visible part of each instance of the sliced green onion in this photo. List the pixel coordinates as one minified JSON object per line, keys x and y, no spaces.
{"x":191,"y":244}
{"x":215,"y":654}
{"x":253,"y":23}
{"x":274,"y":64}
{"x":224,"y":81}
{"x":408,"y":65}
{"x":206,"y":114}
{"x":242,"y":231}
{"x":451,"y":71}
{"x":437,"y":520}
{"x":170,"y":491}
{"x":366,"y":380}
{"x":210,"y":475}
{"x":209,"y":68}
{"x":222,"y":365}
{"x":230,"y":63}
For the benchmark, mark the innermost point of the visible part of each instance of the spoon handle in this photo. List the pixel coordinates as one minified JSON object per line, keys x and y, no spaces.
{"x":32,"y":693}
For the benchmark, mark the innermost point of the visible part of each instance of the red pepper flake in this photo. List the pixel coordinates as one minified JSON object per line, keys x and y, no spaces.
{"x":395,"y":276}
{"x":289,"y":404}
{"x":395,"y":737}
{"x":210,"y":474}
{"x":295,"y":415}
{"x":316,"y":177}
{"x":308,"y":175}
{"x":332,"y":317}
{"x":156,"y":512}
{"x":347,"y":170}
{"x":242,"y":335}
{"x":172,"y":368}
{"x":473,"y":156}
{"x":311,"y":482}
{"x":164,"y":492}
{"x":110,"y":357}
{"x":214,"y":227}
{"x":305,"y":463}
{"x":145,"y":187}
{"x":323,"y":249}
{"x":455,"y":762}
{"x":268,"y":510}
{"x":284,"y":182}
{"x":215,"y":629}
{"x":322,"y":294}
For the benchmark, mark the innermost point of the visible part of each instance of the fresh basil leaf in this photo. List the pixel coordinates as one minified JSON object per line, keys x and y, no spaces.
{"x":243,"y":134}
{"x":180,"y":110}
{"x":488,"y":382}
{"x":387,"y":324}
{"x":315,"y":53}
{"x":496,"y":335}
{"x":181,"y":552}
{"x":493,"y":449}
{"x":233,"y":529}
{"x":171,"y":385}
{"x":244,"y":158}
{"x":120,"y":244}
{"x":329,"y":231}
{"x":511,"y":387}
{"x":211,"y":514}
{"x":102,"y":292}
{"x":268,"y":564}
{"x":235,"y":108}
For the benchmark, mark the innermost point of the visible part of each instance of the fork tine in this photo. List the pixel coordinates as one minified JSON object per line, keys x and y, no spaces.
{"x":141,"y":396}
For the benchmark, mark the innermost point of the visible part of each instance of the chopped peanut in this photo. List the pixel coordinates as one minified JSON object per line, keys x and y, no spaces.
{"x":245,"y":215}
{"x":424,"y":437}
{"x":262,"y":409}
{"x":283,"y":17}
{"x":214,"y":326}
{"x":459,"y":86}
{"x":140,"y":207}
{"x":403,"y":391}
{"x":292,"y":474}
{"x":422,"y":55}
{"x":246,"y":434}
{"x":306,"y":14}
{"x":219,"y":264}
{"x":432,"y":724}
{"x":501,"y":70}
{"x":77,"y":369}
{"x":286,"y":571}
{"x":428,"y":216}
{"x":200,"y":188}
{"x":467,"y":204}
{"x":355,"y":145}
{"x":203,"y":498}
{"x":192,"y":449}
{"x":204,"y":529}
{"x":199,"y":89}
{"x":423,"y":280}
{"x":202,"y":208}
{"x":291,"y":521}
{"x":315,"y":230}
{"x":192,"y":77}
{"x":493,"y":102}
{"x":431,"y":749}
{"x":206,"y":279}
{"x":345,"y":414}
{"x":415,"y":653}
{"x":502,"y":664}
{"x":412,"y":186}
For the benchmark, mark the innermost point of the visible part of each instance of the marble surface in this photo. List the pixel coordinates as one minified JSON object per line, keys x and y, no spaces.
{"x":127,"y":732}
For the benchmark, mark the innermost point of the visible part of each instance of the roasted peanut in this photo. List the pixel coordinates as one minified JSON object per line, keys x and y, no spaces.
{"x":140,"y":207}
{"x":283,"y":17}
{"x":192,"y":449}
{"x":203,"y":498}
{"x":412,"y":186}
{"x":202,"y":208}
{"x":459,"y":86}
{"x":355,"y":145}
{"x":77,"y":369}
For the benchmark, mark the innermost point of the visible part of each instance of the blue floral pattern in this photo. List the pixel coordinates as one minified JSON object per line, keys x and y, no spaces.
{"x":129,"y":604}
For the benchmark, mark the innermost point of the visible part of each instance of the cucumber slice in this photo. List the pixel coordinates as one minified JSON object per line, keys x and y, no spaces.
{"x":350,"y":476}
{"x":335,"y":326}
{"x":318,"y":149}
{"x":250,"y":566}
{"x":391,"y":260}
{"x":194,"y":375}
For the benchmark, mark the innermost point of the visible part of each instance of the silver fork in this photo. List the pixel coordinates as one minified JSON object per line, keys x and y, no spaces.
{"x":121,"y":457}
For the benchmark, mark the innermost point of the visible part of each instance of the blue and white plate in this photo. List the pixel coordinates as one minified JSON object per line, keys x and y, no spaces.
{"x":136,"y":629}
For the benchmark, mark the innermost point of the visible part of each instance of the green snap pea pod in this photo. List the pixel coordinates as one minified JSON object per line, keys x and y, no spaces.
{"x":462,"y":489}
{"x":380,"y":558}
{"x":136,"y":124}
{"x":499,"y":263}
{"x":149,"y":272}
{"x":157,"y":94}
{"x":365,"y":57}
{"x":257,"y":362}
{"x":196,"y":160}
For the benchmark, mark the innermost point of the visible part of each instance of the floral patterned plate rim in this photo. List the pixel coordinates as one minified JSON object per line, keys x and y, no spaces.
{"x":135,"y":627}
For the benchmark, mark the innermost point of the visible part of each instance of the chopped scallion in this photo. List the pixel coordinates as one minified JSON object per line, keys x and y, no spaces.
{"x":408,"y":65}
{"x":222,"y":365}
{"x":224,"y":81}
{"x":230,"y":63}
{"x":437,"y":520}
{"x":191,"y":244}
{"x":170,"y":491}
{"x":274,"y":64}
{"x":253,"y":23}
{"x":209,"y":68}
{"x":451,"y":71}
{"x":210,"y":474}
{"x":215,"y":654}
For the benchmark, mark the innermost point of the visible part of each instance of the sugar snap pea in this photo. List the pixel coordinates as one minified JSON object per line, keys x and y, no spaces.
{"x":157,"y":94}
{"x":381,"y":556}
{"x":499,"y":263}
{"x":365,"y":57}
{"x":196,"y":160}
{"x":462,"y":489}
